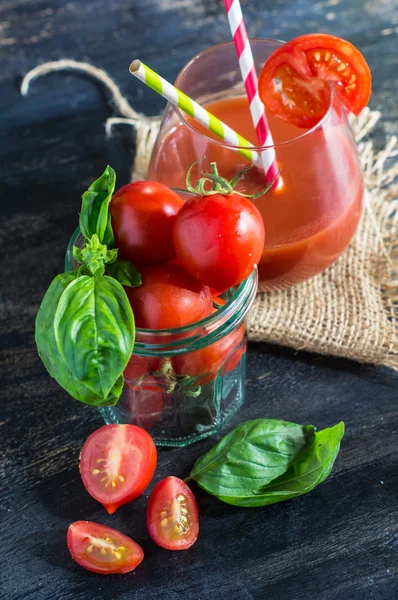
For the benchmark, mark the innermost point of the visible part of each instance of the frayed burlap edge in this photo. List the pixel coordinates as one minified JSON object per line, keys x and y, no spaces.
{"x":351,"y":309}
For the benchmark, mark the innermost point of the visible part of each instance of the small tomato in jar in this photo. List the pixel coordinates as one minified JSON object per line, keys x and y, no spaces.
{"x":143,"y":215}
{"x":168,"y":298}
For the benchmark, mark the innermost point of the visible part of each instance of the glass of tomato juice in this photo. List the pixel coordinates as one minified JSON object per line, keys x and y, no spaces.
{"x":183,"y":384}
{"x":311,"y":218}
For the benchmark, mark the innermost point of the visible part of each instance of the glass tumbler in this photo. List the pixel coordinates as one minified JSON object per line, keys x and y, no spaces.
{"x":311,"y":218}
{"x":183,"y":384}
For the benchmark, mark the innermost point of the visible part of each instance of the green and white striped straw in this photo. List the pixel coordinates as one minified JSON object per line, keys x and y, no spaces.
{"x":194,"y":110}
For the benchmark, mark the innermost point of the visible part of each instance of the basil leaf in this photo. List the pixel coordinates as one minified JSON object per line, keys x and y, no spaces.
{"x":50,"y":355}
{"x":124,"y":272}
{"x":94,"y":331}
{"x":94,"y":256}
{"x":94,"y":216}
{"x":305,"y":474}
{"x":252,"y":455}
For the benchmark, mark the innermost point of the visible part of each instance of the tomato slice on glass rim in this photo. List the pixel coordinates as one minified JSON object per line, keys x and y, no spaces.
{"x":117,"y":463}
{"x":172,"y":515}
{"x":102,"y":549}
{"x":295,"y":81}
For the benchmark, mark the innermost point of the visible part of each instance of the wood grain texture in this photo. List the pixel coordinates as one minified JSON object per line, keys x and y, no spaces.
{"x":341,"y":540}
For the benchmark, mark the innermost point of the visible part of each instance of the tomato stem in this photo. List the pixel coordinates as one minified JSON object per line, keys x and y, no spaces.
{"x":220,"y":185}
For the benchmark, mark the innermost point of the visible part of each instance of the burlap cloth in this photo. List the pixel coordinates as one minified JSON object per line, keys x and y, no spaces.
{"x":349,"y":310}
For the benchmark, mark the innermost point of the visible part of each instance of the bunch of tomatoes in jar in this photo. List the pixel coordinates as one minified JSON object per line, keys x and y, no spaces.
{"x":189,"y":252}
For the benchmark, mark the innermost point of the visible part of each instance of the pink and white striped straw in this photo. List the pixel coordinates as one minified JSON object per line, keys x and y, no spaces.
{"x":249,"y":76}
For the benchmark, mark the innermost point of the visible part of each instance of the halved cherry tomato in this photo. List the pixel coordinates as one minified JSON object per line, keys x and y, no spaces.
{"x":143,"y":215}
{"x":305,"y":67}
{"x":172,"y":515}
{"x":117,"y":463}
{"x":219,"y":239}
{"x":168,"y":297}
{"x":102,"y":549}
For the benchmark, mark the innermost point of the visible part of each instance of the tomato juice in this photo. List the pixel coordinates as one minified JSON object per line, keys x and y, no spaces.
{"x":312,"y":217}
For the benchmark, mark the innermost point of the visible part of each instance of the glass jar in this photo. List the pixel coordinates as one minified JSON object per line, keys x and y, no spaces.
{"x":183,"y":384}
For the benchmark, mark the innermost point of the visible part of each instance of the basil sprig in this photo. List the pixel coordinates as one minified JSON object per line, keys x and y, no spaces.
{"x":95,"y":217}
{"x":266,"y":461}
{"x":85,"y":326}
{"x":124,"y":272}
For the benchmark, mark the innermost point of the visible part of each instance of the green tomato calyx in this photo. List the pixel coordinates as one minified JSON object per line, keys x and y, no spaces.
{"x":220,"y":185}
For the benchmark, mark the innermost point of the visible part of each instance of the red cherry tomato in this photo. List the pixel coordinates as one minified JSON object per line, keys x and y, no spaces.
{"x":117,"y":463}
{"x":219,"y":239}
{"x":305,"y":67}
{"x":102,"y":549}
{"x":143,"y":215}
{"x":145,"y":403}
{"x":205,"y":364}
{"x":172,"y":515}
{"x":168,"y":297}
{"x":236,"y":354}
{"x":140,"y":368}
{"x":221,"y":356}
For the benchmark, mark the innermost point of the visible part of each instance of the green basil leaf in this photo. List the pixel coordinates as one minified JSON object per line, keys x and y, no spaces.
{"x":94,"y":331}
{"x":252,"y":455}
{"x":305,"y":474}
{"x":94,"y":256}
{"x":124,"y":272}
{"x":50,"y":355}
{"x":95,"y":216}
{"x":77,"y":254}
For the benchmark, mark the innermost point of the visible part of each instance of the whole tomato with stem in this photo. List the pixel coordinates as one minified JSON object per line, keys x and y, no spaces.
{"x":218,"y":235}
{"x":143,"y":215}
{"x":168,"y":298}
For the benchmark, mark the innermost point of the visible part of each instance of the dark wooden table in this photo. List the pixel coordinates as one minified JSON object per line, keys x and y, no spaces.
{"x":338,"y":542}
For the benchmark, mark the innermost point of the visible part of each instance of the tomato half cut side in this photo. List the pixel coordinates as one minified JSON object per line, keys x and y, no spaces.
{"x":102,"y":549}
{"x":117,"y":463}
{"x":172,"y":515}
{"x":295,"y":81}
